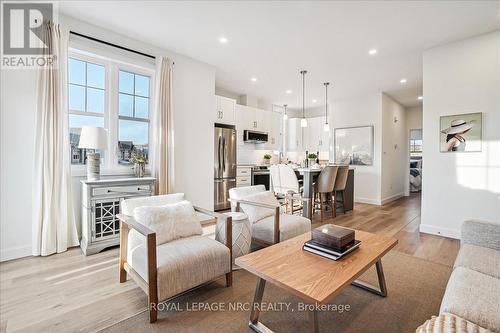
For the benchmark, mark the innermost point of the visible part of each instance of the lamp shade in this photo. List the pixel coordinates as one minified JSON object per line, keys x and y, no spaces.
{"x":93,"y":138}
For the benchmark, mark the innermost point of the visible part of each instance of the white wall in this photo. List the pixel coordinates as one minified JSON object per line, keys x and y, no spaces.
{"x":394,"y":150}
{"x":18,"y":102}
{"x":461,"y":77}
{"x":362,"y":111}
{"x":414,"y":118}
{"x":193,"y":90}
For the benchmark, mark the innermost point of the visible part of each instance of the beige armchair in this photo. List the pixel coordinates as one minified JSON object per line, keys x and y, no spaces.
{"x":271,"y":226}
{"x":167,"y":270}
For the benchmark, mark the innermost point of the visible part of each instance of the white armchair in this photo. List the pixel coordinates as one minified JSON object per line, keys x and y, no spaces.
{"x":166,"y":270}
{"x":269,"y":225}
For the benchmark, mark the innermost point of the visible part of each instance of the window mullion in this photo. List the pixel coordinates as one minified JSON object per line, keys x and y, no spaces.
{"x":113,"y":115}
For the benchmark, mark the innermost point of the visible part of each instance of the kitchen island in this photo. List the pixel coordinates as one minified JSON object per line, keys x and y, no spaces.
{"x":309,"y":175}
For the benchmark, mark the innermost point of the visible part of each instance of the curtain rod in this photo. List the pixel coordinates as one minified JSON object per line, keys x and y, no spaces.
{"x":111,"y":44}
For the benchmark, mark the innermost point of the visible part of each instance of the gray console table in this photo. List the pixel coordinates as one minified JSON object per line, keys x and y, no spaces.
{"x":101,"y":202}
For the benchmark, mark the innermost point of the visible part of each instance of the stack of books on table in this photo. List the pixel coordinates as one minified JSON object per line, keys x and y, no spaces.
{"x":332,"y":242}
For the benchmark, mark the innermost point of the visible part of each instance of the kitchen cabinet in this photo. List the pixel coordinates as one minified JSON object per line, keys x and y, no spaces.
{"x":225,"y":110}
{"x":261,"y":120}
{"x":244,"y":121}
{"x":250,"y":118}
{"x":312,"y":138}
{"x":316,"y":139}
{"x":272,"y":124}
{"x":243,"y":176}
{"x":294,"y":135}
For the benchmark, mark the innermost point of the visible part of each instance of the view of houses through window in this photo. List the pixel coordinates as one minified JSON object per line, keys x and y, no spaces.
{"x":89,"y":88}
{"x":133,"y":114}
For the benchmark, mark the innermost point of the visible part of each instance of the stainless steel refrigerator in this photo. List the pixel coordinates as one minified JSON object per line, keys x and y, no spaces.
{"x":224,"y":164}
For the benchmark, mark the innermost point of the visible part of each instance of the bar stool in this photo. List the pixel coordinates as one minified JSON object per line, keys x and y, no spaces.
{"x":340,"y":184}
{"x":324,"y":187}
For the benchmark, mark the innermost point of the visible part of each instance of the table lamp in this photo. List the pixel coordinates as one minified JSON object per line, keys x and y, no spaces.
{"x":93,"y":138}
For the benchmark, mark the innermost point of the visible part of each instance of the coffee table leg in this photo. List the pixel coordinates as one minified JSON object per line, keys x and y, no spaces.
{"x":313,"y":321}
{"x":254,"y":323}
{"x":382,"y":290}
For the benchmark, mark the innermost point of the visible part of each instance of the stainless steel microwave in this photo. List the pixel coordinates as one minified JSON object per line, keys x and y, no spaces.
{"x":254,"y":136}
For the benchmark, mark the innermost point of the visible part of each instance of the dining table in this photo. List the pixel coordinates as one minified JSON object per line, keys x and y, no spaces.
{"x":308,"y":174}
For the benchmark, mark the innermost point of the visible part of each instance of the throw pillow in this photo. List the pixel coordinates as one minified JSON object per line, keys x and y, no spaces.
{"x":170,"y":221}
{"x":256,"y":213}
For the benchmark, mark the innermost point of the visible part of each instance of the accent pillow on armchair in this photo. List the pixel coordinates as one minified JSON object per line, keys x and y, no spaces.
{"x":169,"y":222}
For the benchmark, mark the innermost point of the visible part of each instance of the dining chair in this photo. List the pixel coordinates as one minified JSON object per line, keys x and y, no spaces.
{"x":291,"y":187}
{"x":324,"y":187}
{"x":340,"y":185}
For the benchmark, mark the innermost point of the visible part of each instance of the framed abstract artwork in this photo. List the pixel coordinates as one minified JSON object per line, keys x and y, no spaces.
{"x":354,"y":145}
{"x":461,"y":132}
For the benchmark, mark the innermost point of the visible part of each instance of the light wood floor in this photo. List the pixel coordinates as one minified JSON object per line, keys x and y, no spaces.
{"x":70,"y":292}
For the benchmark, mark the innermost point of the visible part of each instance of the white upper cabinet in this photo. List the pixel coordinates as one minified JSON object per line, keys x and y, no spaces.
{"x":312,"y":138}
{"x":261,"y":120}
{"x":272,"y":125}
{"x":318,"y":139}
{"x":244,"y":121}
{"x":294,"y":135}
{"x":225,"y":110}
{"x":250,"y":118}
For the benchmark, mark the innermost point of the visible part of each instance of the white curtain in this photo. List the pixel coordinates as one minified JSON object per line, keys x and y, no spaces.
{"x":162,"y":138}
{"x":54,"y":225}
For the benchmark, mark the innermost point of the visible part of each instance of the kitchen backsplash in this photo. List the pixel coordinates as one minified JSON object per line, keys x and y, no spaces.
{"x":250,"y":155}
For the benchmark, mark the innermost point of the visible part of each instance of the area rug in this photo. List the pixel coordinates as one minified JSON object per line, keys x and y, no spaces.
{"x":415,"y":289}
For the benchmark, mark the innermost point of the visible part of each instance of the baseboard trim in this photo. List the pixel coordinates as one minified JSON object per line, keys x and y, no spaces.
{"x":367,"y":201}
{"x":15,"y":253}
{"x":392,"y":198}
{"x":446,"y":232}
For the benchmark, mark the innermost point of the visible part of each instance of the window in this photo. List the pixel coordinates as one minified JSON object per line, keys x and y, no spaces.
{"x":113,"y":94}
{"x":133,"y":114}
{"x":86,"y":100}
{"x":416,"y":146}
{"x":416,"y":142}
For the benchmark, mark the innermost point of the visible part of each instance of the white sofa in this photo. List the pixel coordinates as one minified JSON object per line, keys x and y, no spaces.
{"x":273,"y":228}
{"x":471,"y":302}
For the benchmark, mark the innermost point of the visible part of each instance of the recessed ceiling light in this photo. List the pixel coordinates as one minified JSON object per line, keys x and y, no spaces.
{"x":420,"y":98}
{"x":314,"y":101}
{"x":254,"y":79}
{"x":288,"y":92}
{"x":402,"y":81}
{"x":223,"y":40}
{"x":372,"y":52}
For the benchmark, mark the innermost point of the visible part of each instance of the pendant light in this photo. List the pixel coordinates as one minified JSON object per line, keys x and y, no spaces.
{"x":326,"y":127}
{"x":285,"y":116}
{"x":303,"y":121}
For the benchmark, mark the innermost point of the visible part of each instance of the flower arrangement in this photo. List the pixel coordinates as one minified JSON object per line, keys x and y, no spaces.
{"x":138,"y":156}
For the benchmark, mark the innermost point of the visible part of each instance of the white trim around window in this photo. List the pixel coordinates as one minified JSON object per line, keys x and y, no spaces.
{"x":112,"y":68}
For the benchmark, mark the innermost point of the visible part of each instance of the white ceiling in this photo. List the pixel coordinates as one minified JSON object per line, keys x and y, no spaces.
{"x":273,"y":40}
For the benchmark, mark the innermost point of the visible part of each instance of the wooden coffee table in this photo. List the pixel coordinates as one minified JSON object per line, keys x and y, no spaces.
{"x":314,"y":279}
